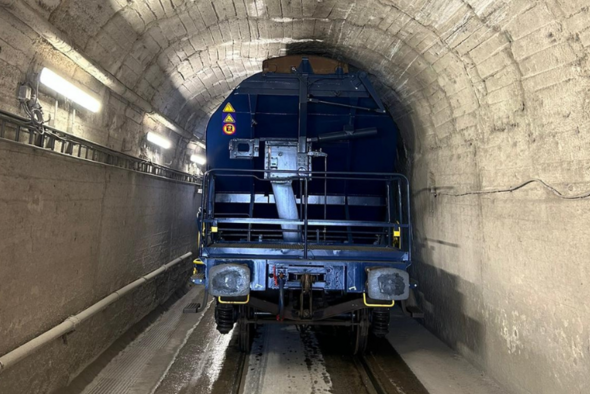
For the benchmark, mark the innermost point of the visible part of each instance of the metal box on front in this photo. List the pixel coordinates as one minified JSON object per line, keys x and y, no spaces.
{"x":283,"y":156}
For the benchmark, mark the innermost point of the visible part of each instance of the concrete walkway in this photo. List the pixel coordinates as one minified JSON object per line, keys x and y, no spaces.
{"x":438,"y":367}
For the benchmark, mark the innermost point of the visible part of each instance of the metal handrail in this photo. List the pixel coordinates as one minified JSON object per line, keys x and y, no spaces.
{"x":302,"y":222}
{"x":68,"y":325}
{"x":301,"y":174}
{"x":403,"y":196}
{"x":59,"y":141}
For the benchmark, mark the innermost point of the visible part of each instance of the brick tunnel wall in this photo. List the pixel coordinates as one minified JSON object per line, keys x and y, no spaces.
{"x":488,"y":94}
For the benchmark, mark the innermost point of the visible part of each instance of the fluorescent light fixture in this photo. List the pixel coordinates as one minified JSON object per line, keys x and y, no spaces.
{"x":61,"y":86}
{"x":159,"y":140}
{"x":199,"y":159}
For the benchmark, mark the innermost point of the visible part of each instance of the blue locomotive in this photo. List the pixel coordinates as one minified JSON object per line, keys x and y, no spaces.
{"x":304,"y":219}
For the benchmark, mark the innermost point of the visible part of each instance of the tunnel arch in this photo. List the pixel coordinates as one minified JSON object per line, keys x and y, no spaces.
{"x":329,"y":31}
{"x":487,"y":94}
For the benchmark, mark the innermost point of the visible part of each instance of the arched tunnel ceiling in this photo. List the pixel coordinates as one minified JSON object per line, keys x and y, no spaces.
{"x":454,"y":65}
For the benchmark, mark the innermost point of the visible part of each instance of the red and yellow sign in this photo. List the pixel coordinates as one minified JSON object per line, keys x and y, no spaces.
{"x":229,"y":128}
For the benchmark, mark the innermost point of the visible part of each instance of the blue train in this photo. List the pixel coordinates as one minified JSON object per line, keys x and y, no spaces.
{"x":304,"y":219}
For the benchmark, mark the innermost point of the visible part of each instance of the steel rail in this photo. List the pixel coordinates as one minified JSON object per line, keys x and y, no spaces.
{"x":368,"y":377}
{"x":241,"y":372}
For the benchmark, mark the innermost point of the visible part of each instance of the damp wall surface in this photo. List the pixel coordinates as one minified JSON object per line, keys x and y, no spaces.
{"x":73,"y":233}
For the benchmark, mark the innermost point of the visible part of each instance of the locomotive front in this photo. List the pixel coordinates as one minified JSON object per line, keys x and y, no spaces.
{"x":304,"y":219}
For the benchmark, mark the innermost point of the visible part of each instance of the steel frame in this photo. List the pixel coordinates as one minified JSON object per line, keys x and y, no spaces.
{"x":397,"y":184}
{"x":323,"y":316}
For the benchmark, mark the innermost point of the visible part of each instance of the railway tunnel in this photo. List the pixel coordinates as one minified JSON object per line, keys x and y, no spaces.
{"x":492,"y":101}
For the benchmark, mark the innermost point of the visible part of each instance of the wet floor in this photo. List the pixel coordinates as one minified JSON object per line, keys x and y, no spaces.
{"x":286,"y":359}
{"x":184,"y":353}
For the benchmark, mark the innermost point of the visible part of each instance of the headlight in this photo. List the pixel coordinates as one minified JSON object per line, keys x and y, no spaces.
{"x":388,"y":284}
{"x":229,"y":280}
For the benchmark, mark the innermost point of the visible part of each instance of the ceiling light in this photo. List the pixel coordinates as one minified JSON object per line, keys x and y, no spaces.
{"x":61,"y":86}
{"x":199,"y":159}
{"x":159,"y":140}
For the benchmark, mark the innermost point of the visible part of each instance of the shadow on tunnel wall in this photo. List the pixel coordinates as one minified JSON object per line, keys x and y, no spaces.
{"x":443,"y":297}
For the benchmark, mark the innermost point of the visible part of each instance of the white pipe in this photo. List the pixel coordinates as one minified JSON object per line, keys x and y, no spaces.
{"x":69,"y":325}
{"x":31,"y":18}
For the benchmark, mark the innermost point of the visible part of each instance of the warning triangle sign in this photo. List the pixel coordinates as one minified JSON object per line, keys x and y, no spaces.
{"x":228,"y":108}
{"x":229,"y":119}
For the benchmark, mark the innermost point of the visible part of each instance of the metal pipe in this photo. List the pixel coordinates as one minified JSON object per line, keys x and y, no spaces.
{"x":26,"y":14}
{"x":316,"y":101}
{"x":306,"y":219}
{"x":304,"y":322}
{"x":287,"y":208}
{"x":70,"y":324}
{"x":325,"y":192}
{"x":311,"y":222}
{"x":345,"y":135}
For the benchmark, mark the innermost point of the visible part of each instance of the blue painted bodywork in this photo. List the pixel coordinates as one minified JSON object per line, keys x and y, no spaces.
{"x":269,"y":105}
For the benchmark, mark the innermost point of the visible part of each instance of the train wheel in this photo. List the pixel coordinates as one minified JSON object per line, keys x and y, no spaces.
{"x":244,"y":335}
{"x":362,"y":331}
{"x":244,"y":330}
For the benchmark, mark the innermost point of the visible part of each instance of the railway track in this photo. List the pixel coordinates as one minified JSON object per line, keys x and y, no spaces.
{"x":369,"y":378}
{"x":365,"y":368}
{"x":287,"y":361}
{"x":240,"y":379}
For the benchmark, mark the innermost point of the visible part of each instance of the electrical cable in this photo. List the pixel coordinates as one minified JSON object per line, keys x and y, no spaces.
{"x":31,"y":106}
{"x":520,"y":186}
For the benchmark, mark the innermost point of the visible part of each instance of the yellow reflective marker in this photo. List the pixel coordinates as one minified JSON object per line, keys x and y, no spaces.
{"x":235,"y":302}
{"x":377,"y":305}
{"x":228,"y":108}
{"x":229,"y":119}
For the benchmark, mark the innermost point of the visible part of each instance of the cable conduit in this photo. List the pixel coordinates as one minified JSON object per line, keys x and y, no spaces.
{"x":552,"y":189}
{"x":68,"y":325}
